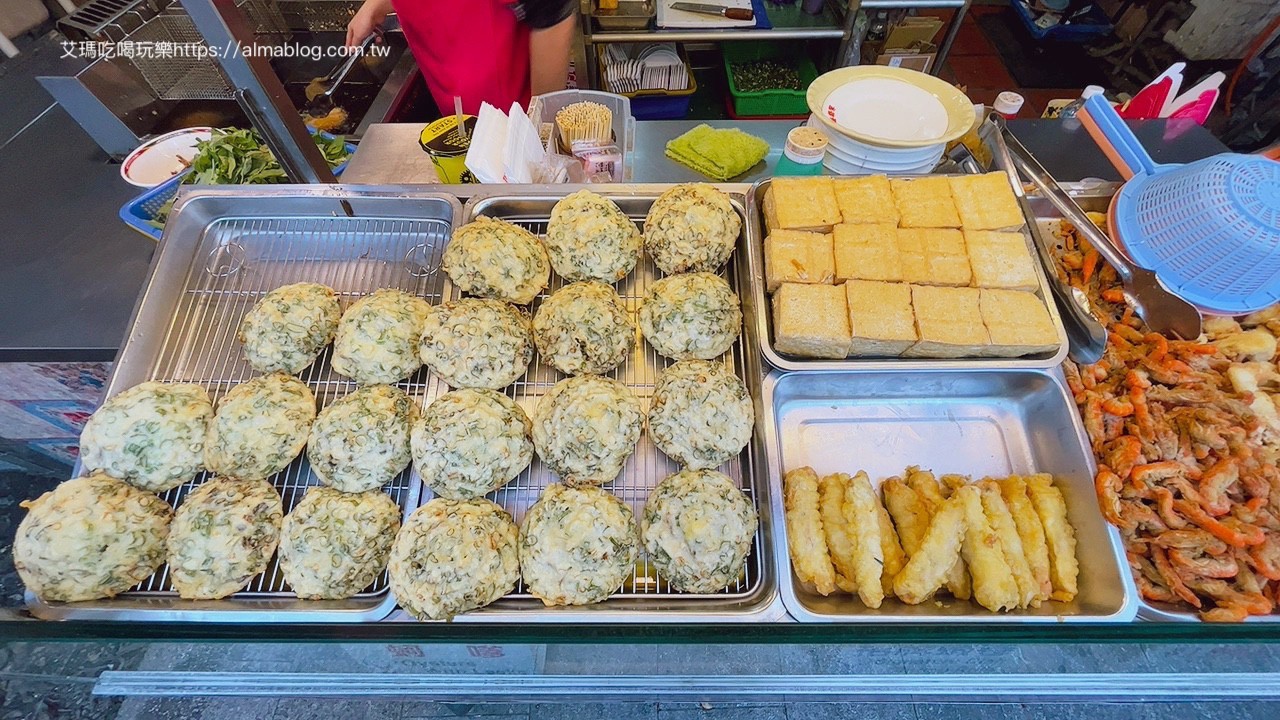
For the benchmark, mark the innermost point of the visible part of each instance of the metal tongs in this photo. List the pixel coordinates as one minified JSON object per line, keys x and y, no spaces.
{"x":1086,"y":337}
{"x":1163,"y":311}
{"x":321,"y":103}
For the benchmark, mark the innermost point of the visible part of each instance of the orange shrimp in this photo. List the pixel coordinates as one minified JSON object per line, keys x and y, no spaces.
{"x":1089,"y":265}
{"x":1243,"y":536}
{"x":1118,"y":407}
{"x":1124,"y":455}
{"x":1172,"y":579}
{"x":1107,"y":484}
{"x":1266,"y":556}
{"x":1161,"y":348}
{"x":1113,"y":295}
{"x":1215,"y":483}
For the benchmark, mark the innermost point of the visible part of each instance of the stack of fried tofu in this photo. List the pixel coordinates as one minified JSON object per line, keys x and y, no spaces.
{"x":936,"y":266}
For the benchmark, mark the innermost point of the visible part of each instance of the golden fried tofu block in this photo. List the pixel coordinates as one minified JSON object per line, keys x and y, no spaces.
{"x":1030,"y":532}
{"x":934,"y":256}
{"x":1000,"y":260}
{"x":880,"y":318}
{"x":949,"y":322}
{"x":806,"y":540}
{"x":799,"y":257}
{"x":985,"y":202}
{"x":804,"y":203}
{"x":867,"y":252}
{"x":928,"y":568}
{"x":924,"y":202}
{"x":840,"y":538}
{"x":1017,"y":322}
{"x":865,"y":200}
{"x":1001,"y":521}
{"x":811,"y":321}
{"x":993,"y":585}
{"x":1064,"y":569}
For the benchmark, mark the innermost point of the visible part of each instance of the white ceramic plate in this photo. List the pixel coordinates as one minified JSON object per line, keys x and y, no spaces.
{"x":889,"y":107}
{"x":892,"y":155}
{"x":840,"y":166}
{"x":159,"y":159}
{"x":887,"y":166}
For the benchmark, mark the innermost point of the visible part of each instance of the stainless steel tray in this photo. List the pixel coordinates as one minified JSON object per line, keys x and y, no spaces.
{"x":222,"y":250}
{"x":763,"y":320}
{"x":1096,"y":197}
{"x":975,"y":423}
{"x":645,"y":596}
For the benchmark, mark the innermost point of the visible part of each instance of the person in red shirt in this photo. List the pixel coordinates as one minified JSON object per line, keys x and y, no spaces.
{"x":494,"y":51}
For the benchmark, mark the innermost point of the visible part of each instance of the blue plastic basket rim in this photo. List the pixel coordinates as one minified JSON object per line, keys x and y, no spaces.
{"x":134,"y":214}
{"x":1144,"y":255}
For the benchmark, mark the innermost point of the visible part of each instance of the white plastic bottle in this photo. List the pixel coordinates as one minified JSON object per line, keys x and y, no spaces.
{"x":1070,"y":110}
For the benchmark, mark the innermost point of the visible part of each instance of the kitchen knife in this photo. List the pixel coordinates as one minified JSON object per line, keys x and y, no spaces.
{"x":705,"y":9}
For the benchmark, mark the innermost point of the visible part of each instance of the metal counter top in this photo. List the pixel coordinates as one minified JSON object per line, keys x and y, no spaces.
{"x":70,"y":271}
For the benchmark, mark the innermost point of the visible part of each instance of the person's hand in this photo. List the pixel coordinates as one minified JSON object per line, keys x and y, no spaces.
{"x":367,"y":19}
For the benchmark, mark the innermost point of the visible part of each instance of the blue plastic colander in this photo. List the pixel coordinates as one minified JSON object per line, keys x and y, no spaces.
{"x":1209,"y":229}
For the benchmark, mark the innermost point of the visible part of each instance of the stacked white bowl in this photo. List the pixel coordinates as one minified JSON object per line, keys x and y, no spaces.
{"x":886,"y":120}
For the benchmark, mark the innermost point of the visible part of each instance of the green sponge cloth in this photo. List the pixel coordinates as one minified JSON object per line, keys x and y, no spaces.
{"x":718,"y":154}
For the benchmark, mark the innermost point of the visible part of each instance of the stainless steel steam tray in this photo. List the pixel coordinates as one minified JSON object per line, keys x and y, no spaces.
{"x":763,"y":322}
{"x":223,"y":249}
{"x":645,"y":595}
{"x":976,"y":423}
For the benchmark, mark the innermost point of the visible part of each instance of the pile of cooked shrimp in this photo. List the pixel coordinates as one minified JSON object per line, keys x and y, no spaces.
{"x":1187,"y":438}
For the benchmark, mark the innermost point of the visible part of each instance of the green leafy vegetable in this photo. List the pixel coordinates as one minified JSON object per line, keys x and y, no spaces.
{"x":240,"y":157}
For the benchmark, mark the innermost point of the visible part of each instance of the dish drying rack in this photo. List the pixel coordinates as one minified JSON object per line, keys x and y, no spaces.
{"x":630,"y":69}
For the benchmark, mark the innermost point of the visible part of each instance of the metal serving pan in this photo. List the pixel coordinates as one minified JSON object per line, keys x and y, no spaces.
{"x":763,"y":321}
{"x":1096,"y":196}
{"x":646,"y":596}
{"x":976,"y":423}
{"x":222,"y":250}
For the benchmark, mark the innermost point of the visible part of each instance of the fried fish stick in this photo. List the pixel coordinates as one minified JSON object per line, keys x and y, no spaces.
{"x":840,"y":542}
{"x":1001,"y":521}
{"x":860,"y":513}
{"x":1030,"y":532}
{"x":1058,"y":534}
{"x":894,"y":558}
{"x":993,"y":585}
{"x":927,"y":569}
{"x":909,"y":512}
{"x":951,"y":482}
{"x":924,"y":483}
{"x":808,"y":546}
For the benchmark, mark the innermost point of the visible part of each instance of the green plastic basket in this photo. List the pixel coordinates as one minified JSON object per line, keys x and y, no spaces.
{"x":767,"y":102}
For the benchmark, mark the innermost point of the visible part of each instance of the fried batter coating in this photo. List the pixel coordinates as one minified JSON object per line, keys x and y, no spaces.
{"x":1001,"y":521}
{"x":927,"y":569}
{"x":840,"y":541}
{"x":809,"y":557}
{"x":1059,"y":536}
{"x":993,"y":585}
{"x":1030,"y":533}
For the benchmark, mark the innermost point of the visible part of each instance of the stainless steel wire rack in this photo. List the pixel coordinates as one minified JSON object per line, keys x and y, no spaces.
{"x":648,"y":465}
